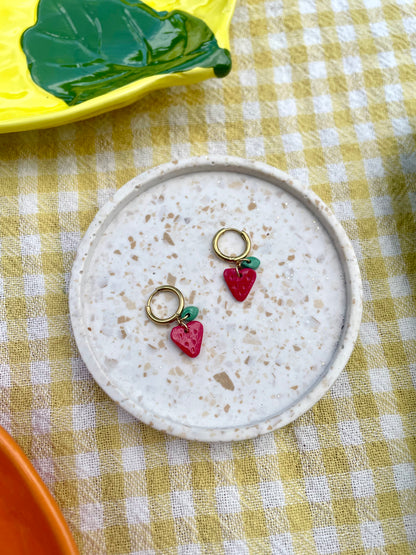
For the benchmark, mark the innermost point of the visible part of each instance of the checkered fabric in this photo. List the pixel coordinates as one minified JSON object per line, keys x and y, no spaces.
{"x":324,"y":90}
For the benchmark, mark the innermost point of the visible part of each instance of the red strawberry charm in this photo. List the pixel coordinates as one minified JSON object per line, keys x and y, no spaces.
{"x":240,"y":282}
{"x":188,"y":339}
{"x":241,"y":278}
{"x":187,"y":335}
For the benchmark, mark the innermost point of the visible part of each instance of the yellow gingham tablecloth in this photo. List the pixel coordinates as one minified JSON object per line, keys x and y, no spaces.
{"x":325,"y":90}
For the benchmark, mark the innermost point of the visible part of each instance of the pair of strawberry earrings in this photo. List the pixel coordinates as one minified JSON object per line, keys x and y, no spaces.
{"x":187,"y":335}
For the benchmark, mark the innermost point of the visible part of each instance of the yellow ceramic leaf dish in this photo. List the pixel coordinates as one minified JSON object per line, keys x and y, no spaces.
{"x":63,"y":61}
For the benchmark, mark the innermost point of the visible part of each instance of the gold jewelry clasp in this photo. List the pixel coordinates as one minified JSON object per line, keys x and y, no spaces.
{"x":177,"y":313}
{"x":237,"y":259}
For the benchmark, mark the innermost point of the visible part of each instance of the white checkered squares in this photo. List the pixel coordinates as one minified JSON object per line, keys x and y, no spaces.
{"x":87,"y":465}
{"x":5,"y":380}
{"x":264,"y":445}
{"x":251,"y":110}
{"x":317,"y":70}
{"x":340,"y":5}
{"x":410,"y":526}
{"x":312,"y":35}
{"x":369,"y":333}
{"x":248,"y":77}
{"x":362,"y":483}
{"x":182,"y":504}
{"x":329,"y":137}
{"x":3,"y":331}
{"x":37,"y":328}
{"x":187,"y":549}
{"x":41,"y":421}
{"x":392,"y":426}
{"x":365,"y":132}
{"x":400,"y":286}
{"x":317,"y":489}
{"x":91,"y":516}
{"x":243,"y":46}
{"x":221,"y":451}
{"x":273,"y":494}
{"x":255,"y":147}
{"x":292,"y":142}
{"x":408,"y":161}
{"x":217,"y":148}
{"x":228,"y":499}
{"x":70,"y":240}
{"x":352,"y":64}
{"x":46,"y":469}
{"x":307,"y":438}
{"x":28,"y":204}
{"x":343,"y":210}
{"x":277,"y":41}
{"x":394,"y":93}
{"x":27,"y":167}
{"x":337,"y":173}
{"x":236,"y":547}
{"x":273,"y":9}
{"x":346,"y":33}
{"x":83,"y":416}
{"x":404,"y":476}
{"x":387,"y":60}
{"x":282,"y":74}
{"x":407,"y":328}
{"x":178,"y":115}
{"x":40,"y":372}
{"x":380,"y":380}
{"x":106,"y":161}
{"x":137,"y":510}
{"x":372,"y":534}
{"x":104,"y":195}
{"x":67,"y":201}
{"x":401,"y":127}
{"x":33,"y":285}
{"x":177,"y":450}
{"x":30,"y":245}
{"x":326,"y":540}
{"x":350,"y":433}
{"x":67,"y":165}
{"x":287,"y":107}
{"x":301,"y":175}
{"x":409,"y":23}
{"x":374,"y":167}
{"x":307,"y":6}
{"x":372,"y":4}
{"x":133,"y":458}
{"x":357,"y":99}
{"x":379,"y":29}
{"x":389,"y":245}
{"x":341,"y":387}
{"x":382,"y":206}
{"x":214,"y":113}
{"x":322,"y":104}
{"x":180,"y":150}
{"x":281,"y":544}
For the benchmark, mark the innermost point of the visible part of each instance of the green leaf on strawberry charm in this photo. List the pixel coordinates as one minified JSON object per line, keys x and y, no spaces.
{"x":189,"y":313}
{"x":251,"y":262}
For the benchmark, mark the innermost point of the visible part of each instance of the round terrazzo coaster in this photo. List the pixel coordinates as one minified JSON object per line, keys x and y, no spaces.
{"x":264,"y":361}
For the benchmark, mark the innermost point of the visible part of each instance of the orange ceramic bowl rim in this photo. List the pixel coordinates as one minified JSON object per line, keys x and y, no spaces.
{"x":40,"y":493}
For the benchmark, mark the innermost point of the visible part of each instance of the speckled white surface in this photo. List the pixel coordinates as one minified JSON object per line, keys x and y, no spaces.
{"x":259,"y":358}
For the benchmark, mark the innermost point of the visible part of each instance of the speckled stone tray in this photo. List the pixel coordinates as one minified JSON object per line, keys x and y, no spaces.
{"x":263,"y":362}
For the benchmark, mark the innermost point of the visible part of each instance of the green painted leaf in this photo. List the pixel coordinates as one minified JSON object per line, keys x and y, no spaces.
{"x":78,"y":50}
{"x":251,"y":262}
{"x":189,"y":313}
